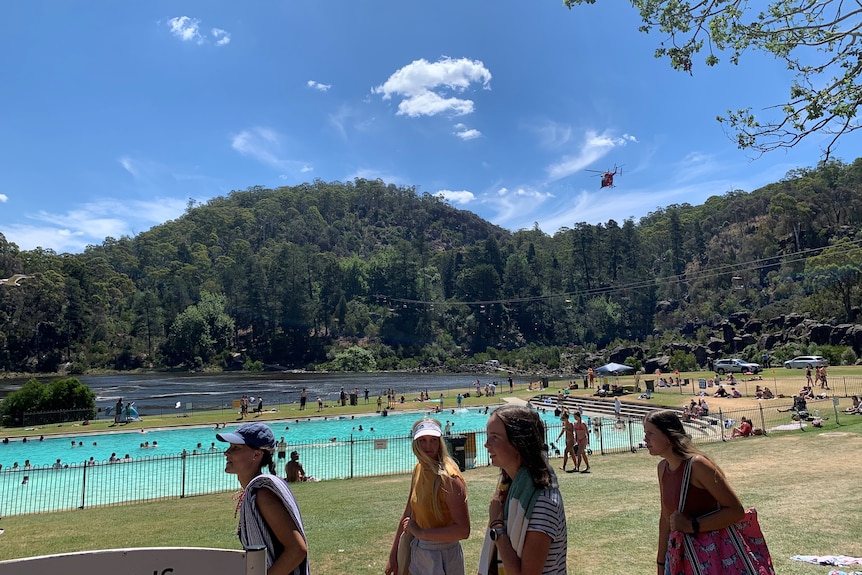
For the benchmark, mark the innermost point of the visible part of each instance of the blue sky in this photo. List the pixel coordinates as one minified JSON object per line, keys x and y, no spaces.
{"x":116,"y":114}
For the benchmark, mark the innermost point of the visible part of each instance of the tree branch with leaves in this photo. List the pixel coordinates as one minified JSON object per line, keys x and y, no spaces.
{"x":818,"y":39}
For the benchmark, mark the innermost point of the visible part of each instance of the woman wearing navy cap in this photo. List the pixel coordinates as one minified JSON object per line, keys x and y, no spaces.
{"x":436,"y":514}
{"x":268,"y":513}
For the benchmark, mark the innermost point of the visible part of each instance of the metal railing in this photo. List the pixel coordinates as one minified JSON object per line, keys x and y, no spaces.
{"x":131,"y":480}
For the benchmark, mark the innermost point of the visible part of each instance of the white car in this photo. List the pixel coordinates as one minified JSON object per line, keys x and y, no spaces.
{"x":803,"y":361}
{"x":736,"y":365}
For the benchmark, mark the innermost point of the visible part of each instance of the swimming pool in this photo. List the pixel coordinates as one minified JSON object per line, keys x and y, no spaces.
{"x":331,"y":448}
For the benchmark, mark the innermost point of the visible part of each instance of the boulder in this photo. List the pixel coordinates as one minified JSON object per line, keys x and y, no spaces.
{"x":753,"y":326}
{"x":739,"y":319}
{"x":770,"y":340}
{"x":727,"y":331}
{"x":661,"y":362}
{"x":715,"y":345}
{"x":746,"y":339}
{"x":622,"y":353}
{"x":820,"y":333}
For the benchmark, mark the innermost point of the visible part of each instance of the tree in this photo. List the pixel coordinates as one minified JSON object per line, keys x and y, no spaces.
{"x":816,"y":38}
{"x":201,"y":331}
{"x":69,"y":395}
{"x":354,"y":359}
{"x":835,"y":274}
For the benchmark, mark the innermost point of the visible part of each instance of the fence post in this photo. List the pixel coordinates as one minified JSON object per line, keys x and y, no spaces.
{"x":631,"y":440}
{"x":762,"y":420}
{"x":351,"y":456}
{"x":83,"y":486}
{"x":601,"y":435}
{"x":721,"y":423}
{"x":183,"y":458}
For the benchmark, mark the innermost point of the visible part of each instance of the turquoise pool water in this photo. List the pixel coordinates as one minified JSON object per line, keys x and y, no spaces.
{"x":330,"y":448}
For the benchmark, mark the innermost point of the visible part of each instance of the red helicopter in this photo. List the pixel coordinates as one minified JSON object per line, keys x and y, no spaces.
{"x":608,"y":176}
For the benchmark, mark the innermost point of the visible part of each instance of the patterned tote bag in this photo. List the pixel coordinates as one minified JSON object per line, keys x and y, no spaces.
{"x":736,"y":550}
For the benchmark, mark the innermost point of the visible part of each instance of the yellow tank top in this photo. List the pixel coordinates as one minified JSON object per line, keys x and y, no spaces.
{"x":421,"y":502}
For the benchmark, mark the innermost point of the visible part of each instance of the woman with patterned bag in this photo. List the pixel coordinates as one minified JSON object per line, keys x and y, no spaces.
{"x":703,"y":529}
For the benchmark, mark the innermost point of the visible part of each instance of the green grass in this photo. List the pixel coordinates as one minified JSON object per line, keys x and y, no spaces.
{"x":803,"y":484}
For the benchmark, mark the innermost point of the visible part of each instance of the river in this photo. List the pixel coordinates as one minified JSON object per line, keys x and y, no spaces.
{"x":154,"y":393}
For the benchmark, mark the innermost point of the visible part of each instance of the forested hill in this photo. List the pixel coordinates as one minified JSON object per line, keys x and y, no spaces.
{"x":370,"y":275}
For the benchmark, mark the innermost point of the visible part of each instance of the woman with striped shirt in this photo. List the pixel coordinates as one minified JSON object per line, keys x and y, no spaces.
{"x":268,"y":513}
{"x":527,"y":532}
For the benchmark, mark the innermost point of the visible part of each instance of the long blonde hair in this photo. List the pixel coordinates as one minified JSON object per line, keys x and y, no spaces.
{"x":444,"y":468}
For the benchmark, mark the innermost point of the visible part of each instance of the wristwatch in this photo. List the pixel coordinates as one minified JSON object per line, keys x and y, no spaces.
{"x":496,"y":533}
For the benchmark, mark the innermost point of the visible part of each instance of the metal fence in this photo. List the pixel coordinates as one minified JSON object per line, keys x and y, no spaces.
{"x":126,"y":481}
{"x":32,"y":418}
{"x":130,"y":480}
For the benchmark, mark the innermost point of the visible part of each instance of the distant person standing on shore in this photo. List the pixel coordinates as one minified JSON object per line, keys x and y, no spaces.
{"x":303,"y":398}
{"x":118,"y":411}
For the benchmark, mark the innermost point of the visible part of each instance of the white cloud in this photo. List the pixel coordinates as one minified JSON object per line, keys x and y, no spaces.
{"x":262,"y":144}
{"x":456,"y":197}
{"x":186,"y":29}
{"x":552,"y":134}
{"x":517,"y":205}
{"x":466,"y":133}
{"x":4,"y":198}
{"x":129,"y":165}
{"x":91,"y":223}
{"x":594,"y":147}
{"x":222,"y":37}
{"x":306,"y":169}
{"x":318,"y":85}
{"x":424,"y":86}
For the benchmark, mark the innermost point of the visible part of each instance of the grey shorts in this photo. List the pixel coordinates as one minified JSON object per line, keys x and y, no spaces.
{"x":435,"y":558}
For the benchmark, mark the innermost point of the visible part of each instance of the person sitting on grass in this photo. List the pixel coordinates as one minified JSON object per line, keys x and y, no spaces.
{"x":743,"y":429}
{"x":855,"y":409}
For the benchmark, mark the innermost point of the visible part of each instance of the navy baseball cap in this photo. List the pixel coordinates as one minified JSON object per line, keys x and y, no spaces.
{"x":255,"y":435}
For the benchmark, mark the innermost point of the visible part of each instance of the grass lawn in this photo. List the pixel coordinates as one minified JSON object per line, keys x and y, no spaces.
{"x":805,"y":486}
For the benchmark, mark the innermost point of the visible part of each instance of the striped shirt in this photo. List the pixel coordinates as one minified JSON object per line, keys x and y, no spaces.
{"x":253,"y":529}
{"x":549,"y":517}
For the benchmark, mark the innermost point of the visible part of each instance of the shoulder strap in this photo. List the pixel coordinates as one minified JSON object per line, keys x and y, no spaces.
{"x":686,"y":480}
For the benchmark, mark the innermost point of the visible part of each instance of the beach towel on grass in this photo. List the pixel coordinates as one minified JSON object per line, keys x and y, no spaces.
{"x":253,"y":530}
{"x":838,"y":560}
{"x":520,"y":500}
